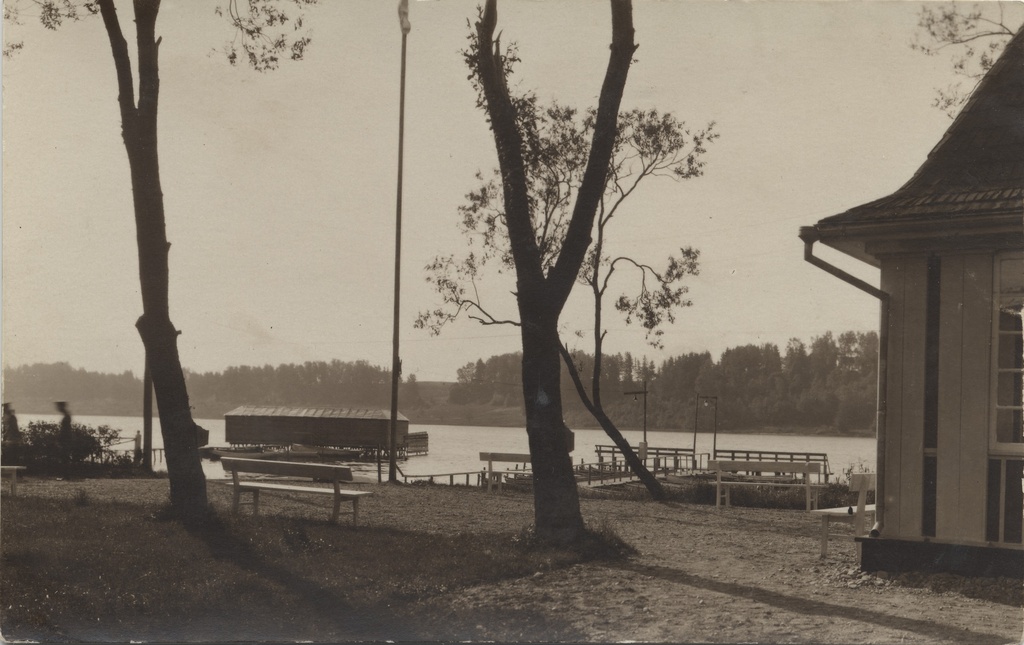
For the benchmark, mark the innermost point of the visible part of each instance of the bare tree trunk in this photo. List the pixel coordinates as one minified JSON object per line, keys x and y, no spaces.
{"x":160,"y":338}
{"x":650,"y":481}
{"x":557,"y":514}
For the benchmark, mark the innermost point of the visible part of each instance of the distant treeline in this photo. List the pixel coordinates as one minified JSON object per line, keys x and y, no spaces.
{"x":827,"y":384}
{"x":34,"y":388}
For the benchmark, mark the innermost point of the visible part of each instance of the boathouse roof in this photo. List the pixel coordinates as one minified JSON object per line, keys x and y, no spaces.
{"x":317,"y":413}
{"x":970,"y":190}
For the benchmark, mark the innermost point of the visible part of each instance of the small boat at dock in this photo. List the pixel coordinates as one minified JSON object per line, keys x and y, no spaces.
{"x":298,"y":451}
{"x":214,"y":453}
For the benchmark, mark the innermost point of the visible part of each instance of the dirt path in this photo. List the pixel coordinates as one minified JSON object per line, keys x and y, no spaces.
{"x":734,"y":575}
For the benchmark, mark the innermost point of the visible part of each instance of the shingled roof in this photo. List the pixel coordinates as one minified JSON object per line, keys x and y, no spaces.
{"x":971,"y":184}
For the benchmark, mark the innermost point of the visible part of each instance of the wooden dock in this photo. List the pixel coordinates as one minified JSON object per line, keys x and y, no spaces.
{"x":611,"y":469}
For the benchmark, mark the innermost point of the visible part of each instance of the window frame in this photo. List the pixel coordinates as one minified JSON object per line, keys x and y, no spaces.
{"x":1001,"y":298}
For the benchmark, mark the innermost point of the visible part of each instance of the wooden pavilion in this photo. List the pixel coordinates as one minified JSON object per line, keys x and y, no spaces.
{"x":950,"y":248}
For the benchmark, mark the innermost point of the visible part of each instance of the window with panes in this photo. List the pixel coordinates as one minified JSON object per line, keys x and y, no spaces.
{"x":1005,"y":506}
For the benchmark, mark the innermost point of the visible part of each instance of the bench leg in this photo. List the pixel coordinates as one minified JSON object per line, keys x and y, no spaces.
{"x":355,"y":511}
{"x":824,"y":536}
{"x":337,"y":508}
{"x":14,"y":483}
{"x":235,"y":500}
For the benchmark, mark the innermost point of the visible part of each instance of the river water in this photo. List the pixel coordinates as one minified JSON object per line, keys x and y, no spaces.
{"x":455,"y":449}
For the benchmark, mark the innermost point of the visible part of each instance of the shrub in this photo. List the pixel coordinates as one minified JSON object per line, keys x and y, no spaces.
{"x":87,"y":451}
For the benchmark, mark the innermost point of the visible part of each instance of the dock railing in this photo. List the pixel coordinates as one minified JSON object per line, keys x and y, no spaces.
{"x":436,"y":478}
{"x":677,"y":459}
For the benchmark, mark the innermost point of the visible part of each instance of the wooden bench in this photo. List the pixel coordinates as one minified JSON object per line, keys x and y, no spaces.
{"x":323,"y":472}
{"x":782,"y":475}
{"x":777,"y":455}
{"x":491,"y":458}
{"x":12,"y":472}
{"x":860,"y":483}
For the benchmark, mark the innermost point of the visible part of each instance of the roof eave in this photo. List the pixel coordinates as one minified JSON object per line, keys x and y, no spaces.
{"x":872,"y":240}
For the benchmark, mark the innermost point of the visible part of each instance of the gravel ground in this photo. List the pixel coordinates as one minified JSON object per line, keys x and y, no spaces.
{"x":700,"y":574}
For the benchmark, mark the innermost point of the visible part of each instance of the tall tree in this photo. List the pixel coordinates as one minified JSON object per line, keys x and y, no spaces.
{"x":973,"y":35}
{"x":555,"y":151}
{"x":254,"y":26}
{"x":543,"y":288}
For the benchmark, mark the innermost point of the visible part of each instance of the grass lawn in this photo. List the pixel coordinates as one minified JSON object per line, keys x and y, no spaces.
{"x":80,"y":569}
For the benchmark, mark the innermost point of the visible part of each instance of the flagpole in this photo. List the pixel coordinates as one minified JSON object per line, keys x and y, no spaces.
{"x":396,"y":362}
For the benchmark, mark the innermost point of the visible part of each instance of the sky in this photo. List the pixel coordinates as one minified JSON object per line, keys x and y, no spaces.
{"x":280,"y":188}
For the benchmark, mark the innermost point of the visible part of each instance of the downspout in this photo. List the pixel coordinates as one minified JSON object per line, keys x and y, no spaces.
{"x":809,"y":235}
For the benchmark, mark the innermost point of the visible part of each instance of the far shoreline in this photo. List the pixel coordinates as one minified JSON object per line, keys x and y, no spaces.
{"x":819,"y":431}
{"x":761,"y":430}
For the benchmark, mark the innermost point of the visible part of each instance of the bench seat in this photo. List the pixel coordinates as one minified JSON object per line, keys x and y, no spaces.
{"x":727,"y":476}
{"x":858,"y":513}
{"x":331,"y":473}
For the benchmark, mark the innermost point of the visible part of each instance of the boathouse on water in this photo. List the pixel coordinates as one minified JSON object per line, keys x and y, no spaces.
{"x":950,"y":248}
{"x":328,"y":427}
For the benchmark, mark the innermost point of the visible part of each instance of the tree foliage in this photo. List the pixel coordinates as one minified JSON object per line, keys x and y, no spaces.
{"x":263,"y":30}
{"x":266,"y":30}
{"x":555,"y":143}
{"x":972,"y":34}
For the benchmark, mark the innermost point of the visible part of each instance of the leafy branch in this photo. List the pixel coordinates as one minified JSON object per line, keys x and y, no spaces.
{"x":975,"y":35}
{"x":50,"y":13}
{"x":450,"y":279}
{"x":265,"y":31}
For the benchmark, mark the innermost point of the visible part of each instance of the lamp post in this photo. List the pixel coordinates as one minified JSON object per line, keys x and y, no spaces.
{"x":634,"y":394}
{"x":714,"y":436}
{"x":696,"y":418}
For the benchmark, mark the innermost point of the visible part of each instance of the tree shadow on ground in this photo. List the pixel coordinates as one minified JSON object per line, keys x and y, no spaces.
{"x":328,"y":612}
{"x":428,"y":616}
{"x":807,"y":606}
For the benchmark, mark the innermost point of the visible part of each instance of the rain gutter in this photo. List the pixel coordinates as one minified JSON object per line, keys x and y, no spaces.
{"x":810,"y":235}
